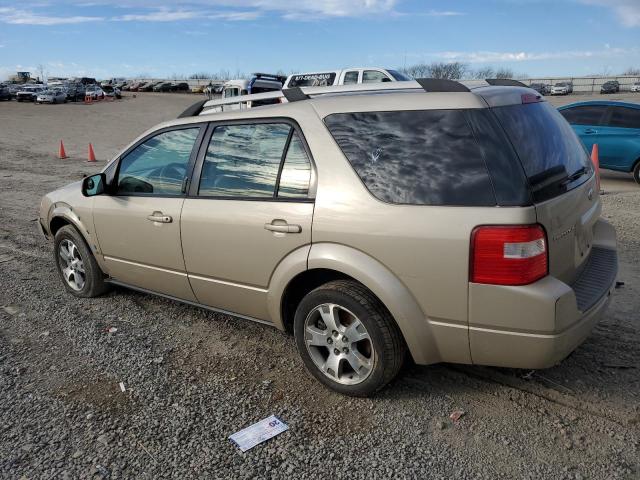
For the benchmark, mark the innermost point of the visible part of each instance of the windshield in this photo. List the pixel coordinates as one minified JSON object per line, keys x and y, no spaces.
{"x":548,"y":148}
{"x":400,"y":77}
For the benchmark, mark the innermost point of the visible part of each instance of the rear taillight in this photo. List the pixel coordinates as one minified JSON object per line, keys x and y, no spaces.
{"x":508,"y":254}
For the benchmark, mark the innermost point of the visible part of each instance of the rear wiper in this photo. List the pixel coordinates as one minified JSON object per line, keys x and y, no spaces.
{"x":574,"y":176}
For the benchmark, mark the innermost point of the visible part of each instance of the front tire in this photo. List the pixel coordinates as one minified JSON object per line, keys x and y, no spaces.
{"x":78,"y":269}
{"x":636,"y":172}
{"x":347,"y":339}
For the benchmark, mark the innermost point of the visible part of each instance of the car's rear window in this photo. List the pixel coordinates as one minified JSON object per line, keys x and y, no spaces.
{"x":425,"y":157}
{"x":312,"y":80}
{"x":544,"y":141}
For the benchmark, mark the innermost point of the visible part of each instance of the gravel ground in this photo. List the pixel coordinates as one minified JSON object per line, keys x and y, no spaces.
{"x":193,"y":377}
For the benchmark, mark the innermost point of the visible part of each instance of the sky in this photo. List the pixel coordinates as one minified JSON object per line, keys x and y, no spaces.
{"x":161,"y":38}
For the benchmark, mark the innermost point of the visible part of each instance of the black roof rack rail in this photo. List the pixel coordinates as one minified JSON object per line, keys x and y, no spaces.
{"x":294,"y":94}
{"x":504,"y":82}
{"x":441,"y":85}
{"x":269,"y":76}
{"x":193,"y":110}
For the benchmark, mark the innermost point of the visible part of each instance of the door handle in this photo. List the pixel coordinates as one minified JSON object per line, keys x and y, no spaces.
{"x":590,"y":131}
{"x":159,"y":218}
{"x":282,"y":227}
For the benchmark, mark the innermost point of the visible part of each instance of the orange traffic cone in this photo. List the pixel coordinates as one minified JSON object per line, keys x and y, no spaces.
{"x":61,"y":153}
{"x":91,"y":157}
{"x":595,"y":158}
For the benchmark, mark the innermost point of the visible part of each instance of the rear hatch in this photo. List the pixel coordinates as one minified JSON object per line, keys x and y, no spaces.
{"x":561,"y":181}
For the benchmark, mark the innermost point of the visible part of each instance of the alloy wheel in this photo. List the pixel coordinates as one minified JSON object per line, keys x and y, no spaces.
{"x":71,"y":265}
{"x":339,"y":344}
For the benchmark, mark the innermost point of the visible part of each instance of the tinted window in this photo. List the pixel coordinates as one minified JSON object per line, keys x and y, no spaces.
{"x":625,"y":117}
{"x":373,"y":76}
{"x":296,"y":171}
{"x":243,"y":160}
{"x":158,"y":165}
{"x":414,"y":157}
{"x":312,"y":80}
{"x":350,"y":77}
{"x":584,"y":115}
{"x":544,"y":141}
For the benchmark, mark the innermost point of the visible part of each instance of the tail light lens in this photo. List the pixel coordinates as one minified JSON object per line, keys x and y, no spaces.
{"x":508,"y":255}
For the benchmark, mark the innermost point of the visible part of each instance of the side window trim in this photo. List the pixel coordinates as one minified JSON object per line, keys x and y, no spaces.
{"x":194,"y":184}
{"x":192,"y":158}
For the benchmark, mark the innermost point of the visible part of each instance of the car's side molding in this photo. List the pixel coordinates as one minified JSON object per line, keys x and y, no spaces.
{"x":411,"y":320}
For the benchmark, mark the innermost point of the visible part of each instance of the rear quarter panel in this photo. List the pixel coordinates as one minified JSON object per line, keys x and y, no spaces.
{"x":425,"y":248}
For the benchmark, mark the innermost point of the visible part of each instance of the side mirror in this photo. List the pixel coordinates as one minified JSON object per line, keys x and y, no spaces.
{"x":94,"y":185}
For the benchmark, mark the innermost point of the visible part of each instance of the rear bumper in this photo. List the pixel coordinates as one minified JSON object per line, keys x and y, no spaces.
{"x":538,"y":325}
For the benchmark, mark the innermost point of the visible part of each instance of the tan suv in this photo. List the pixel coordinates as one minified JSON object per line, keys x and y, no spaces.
{"x":460,"y":223}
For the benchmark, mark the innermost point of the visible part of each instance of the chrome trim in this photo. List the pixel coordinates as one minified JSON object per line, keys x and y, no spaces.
{"x":151,"y":267}
{"x":231,"y":284}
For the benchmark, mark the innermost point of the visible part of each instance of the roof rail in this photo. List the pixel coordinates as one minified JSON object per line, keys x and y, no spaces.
{"x":294,"y":94}
{"x":504,"y":82}
{"x":441,"y":85}
{"x":297,"y":94}
{"x":193,"y":110}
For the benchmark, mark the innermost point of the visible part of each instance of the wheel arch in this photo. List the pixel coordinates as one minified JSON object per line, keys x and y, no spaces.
{"x":330,"y":261}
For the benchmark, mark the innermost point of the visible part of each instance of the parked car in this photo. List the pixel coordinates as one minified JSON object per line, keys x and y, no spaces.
{"x":411,"y":250}
{"x":635,"y":87}
{"x":180,"y":87}
{"x":162,"y":87}
{"x":111,"y":91}
{"x":198,"y":89}
{"x":94,"y":91}
{"x":614,"y":126}
{"x":29,"y":93}
{"x":148,"y":87}
{"x":541,"y":88}
{"x":562,"y":88}
{"x":5,"y":93}
{"x":610,"y":87}
{"x":76,"y":92}
{"x":346,"y":76}
{"x":51,"y":96}
{"x":258,"y":83}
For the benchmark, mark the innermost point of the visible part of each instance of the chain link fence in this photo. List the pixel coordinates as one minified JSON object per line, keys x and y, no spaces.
{"x":587,"y":84}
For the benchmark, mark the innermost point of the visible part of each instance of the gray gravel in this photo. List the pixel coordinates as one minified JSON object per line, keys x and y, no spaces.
{"x":193,"y":377}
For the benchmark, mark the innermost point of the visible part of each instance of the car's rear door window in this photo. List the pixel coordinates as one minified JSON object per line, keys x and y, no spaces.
{"x":625,"y":117}
{"x":261,"y":160}
{"x":295,"y":177}
{"x":158,"y":165}
{"x":427,"y":157}
{"x":351,"y":77}
{"x":584,"y":114}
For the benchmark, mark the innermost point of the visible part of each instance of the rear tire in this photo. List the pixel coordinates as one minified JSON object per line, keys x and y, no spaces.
{"x":357,"y":366}
{"x":78,"y":269}
{"x":636,"y":172}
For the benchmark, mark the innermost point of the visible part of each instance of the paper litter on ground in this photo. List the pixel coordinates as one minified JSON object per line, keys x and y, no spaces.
{"x":258,"y":432}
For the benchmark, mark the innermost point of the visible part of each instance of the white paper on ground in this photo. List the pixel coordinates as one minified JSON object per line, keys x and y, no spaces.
{"x":258,"y":432}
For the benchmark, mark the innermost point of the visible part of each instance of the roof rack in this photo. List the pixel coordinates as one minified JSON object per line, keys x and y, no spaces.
{"x":504,"y":82}
{"x":297,"y":94}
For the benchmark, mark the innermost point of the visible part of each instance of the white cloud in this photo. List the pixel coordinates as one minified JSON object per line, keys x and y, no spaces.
{"x":162,"y":15}
{"x":627,"y":11}
{"x":522,"y":56}
{"x":24,"y":17}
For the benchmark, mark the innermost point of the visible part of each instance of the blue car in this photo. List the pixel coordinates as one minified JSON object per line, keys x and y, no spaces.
{"x":614,"y":126}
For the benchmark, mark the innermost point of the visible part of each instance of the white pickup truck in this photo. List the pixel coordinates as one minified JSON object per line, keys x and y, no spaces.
{"x":347,"y":76}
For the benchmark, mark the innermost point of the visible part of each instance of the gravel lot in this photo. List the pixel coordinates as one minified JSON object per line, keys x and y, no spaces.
{"x":193,"y":377}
